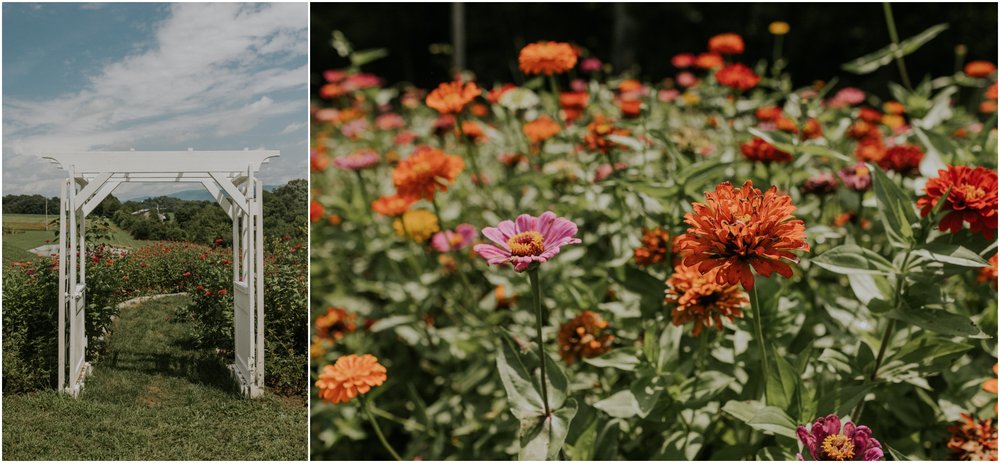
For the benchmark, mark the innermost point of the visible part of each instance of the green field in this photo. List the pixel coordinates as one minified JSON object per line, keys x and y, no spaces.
{"x":22,"y":232}
{"x":154,"y":397}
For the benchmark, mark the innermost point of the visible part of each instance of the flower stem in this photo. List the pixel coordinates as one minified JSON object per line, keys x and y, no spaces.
{"x":759,"y":334}
{"x":897,"y":54}
{"x":536,"y":292}
{"x":364,"y":194}
{"x":378,"y":429}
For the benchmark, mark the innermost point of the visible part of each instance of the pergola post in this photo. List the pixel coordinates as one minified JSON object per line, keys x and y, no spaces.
{"x":230,"y":177}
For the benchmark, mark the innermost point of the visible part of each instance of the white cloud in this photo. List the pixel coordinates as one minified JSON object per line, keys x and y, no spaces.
{"x":215,"y":71}
{"x":290,"y":128}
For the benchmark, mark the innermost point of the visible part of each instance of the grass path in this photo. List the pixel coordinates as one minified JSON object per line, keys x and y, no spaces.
{"x":154,"y":397}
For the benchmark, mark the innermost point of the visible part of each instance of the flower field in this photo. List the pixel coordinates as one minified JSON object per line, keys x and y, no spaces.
{"x":713,"y":265}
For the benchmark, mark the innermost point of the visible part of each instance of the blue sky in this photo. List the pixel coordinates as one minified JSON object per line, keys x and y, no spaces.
{"x":89,"y":77}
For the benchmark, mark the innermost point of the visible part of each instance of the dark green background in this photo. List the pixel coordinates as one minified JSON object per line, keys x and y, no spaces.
{"x":822,"y":37}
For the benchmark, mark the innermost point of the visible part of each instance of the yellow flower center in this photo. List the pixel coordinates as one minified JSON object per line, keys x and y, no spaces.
{"x":972,"y":191}
{"x":420,"y":168}
{"x":838,"y":447}
{"x":861,"y":170}
{"x":529,"y":243}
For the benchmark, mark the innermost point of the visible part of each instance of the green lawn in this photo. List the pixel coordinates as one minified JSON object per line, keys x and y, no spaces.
{"x":153,"y":397}
{"x":22,"y":232}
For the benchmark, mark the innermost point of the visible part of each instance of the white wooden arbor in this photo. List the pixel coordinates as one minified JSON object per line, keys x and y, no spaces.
{"x":230,"y":177}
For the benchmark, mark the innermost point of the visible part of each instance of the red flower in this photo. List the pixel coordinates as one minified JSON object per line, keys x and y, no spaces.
{"x":737,"y":76}
{"x":739,"y":229}
{"x":223,"y":292}
{"x":726,"y":44}
{"x":973,"y":199}
{"x":758,"y":150}
{"x":708,"y":61}
{"x":904,"y":159}
{"x":316,"y":211}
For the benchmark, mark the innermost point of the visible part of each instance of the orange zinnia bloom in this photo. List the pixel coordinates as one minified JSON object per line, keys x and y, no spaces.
{"x":547,"y":58}
{"x":973,"y":199}
{"x":726,"y":44}
{"x":451,"y":97}
{"x":708,"y":61}
{"x":739,"y":229}
{"x":350,"y":376}
{"x":540,"y":129}
{"x":597,"y":135}
{"x":584,"y":336}
{"x":870,"y":149}
{"x":392,"y":206}
{"x":973,"y":440}
{"x":316,"y":211}
{"x":335,"y":323}
{"x":737,"y":76}
{"x":904,"y":159}
{"x":979,"y":68}
{"x":425,"y":172}
{"x":473,"y":131}
{"x":759,"y":150}
{"x":698,"y":297}
{"x":989,"y":274}
{"x":654,"y":248}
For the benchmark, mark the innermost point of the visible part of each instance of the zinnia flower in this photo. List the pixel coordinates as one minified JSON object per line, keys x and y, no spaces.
{"x":708,"y":61}
{"x":698,"y":297}
{"x":425,"y":172}
{"x":778,"y":28}
{"x":904,"y":159}
{"x":573,"y":104}
{"x":973,"y":440}
{"x":767,"y":113}
{"x":447,"y":240}
{"x":848,"y":96}
{"x":597,"y":135}
{"x":335,"y":323}
{"x":740,"y":229}
{"x":528,"y":240}
{"x":973,"y":199}
{"x":827,"y":441}
{"x":349,"y":376}
{"x":726,"y":44}
{"x":603,"y":171}
{"x":978,"y":69}
{"x":591,"y":65}
{"x":418,"y":224}
{"x":989,"y":274}
{"x":547,"y":58}
{"x":654,"y":248}
{"x":870,"y":149}
{"x":857,"y":177}
{"x":737,"y":76}
{"x":392,"y":206}
{"x":821,"y":184}
{"x":451,"y":97}
{"x":316,"y":211}
{"x":682,"y":60}
{"x":759,"y":150}
{"x":357,"y":161}
{"x":584,"y":336}
{"x":540,"y":129}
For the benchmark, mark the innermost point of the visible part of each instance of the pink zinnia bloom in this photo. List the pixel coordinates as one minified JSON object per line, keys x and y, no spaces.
{"x":857,"y":177}
{"x":445,"y":241}
{"x":334,"y":75}
{"x":354,"y":128}
{"x":326,"y":115}
{"x":357,"y":161}
{"x":827,"y":441}
{"x":389,"y":121}
{"x":590,"y":65}
{"x":529,"y":240}
{"x":362,"y":81}
{"x":604,"y":170}
{"x":404,"y":138}
{"x":686,"y":79}
{"x":683,"y":60}
{"x":668,"y":95}
{"x":578,"y":85}
{"x":849,"y":96}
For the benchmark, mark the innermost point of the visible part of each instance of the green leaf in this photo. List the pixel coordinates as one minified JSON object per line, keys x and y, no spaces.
{"x":621,"y":404}
{"x":896,"y":210}
{"x":622,"y":359}
{"x":869,"y":287}
{"x":768,"y":419}
{"x":697,"y":175}
{"x":363,"y":57}
{"x":850,"y":259}
{"x":647,"y":391}
{"x":542,"y":439}
{"x":781,"y":387}
{"x":938,"y":321}
{"x":525,"y":400}
{"x":951,"y":254}
{"x":631,"y":142}
{"x":651,"y":346}
{"x":872,"y":61}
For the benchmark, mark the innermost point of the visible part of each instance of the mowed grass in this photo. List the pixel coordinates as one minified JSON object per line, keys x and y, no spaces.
{"x":22,"y":232}
{"x":154,"y":397}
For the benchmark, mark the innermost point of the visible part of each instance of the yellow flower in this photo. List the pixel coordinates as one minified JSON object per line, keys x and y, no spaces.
{"x":420,"y":225}
{"x":778,"y":28}
{"x":690,"y":99}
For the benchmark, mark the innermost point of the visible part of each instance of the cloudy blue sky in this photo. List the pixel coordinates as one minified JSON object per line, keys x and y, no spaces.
{"x":89,"y":77}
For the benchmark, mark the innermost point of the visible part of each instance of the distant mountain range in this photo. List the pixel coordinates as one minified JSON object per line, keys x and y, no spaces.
{"x":188,"y":195}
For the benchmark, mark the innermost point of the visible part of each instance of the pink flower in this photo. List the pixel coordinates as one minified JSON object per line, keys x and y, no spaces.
{"x":334,"y":76}
{"x":354,"y":128}
{"x":446,"y":241}
{"x":590,"y":65}
{"x":604,"y":170}
{"x":389,"y":121}
{"x":686,"y":79}
{"x":578,"y":85}
{"x":529,"y":240}
{"x":668,"y":95}
{"x":357,"y":161}
{"x":683,"y":60}
{"x":849,"y":96}
{"x":826,"y":441}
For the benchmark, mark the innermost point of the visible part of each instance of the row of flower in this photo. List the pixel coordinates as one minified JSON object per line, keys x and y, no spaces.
{"x":114,"y":275}
{"x":718,"y":258}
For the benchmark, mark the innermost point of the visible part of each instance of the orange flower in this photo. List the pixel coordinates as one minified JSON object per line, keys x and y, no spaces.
{"x":425,"y":172}
{"x":904,"y":159}
{"x":973,"y":199}
{"x":991,"y":92}
{"x":698,"y":297}
{"x":573,"y":104}
{"x":708,"y":61}
{"x":597,"y":135}
{"x":451,"y":97}
{"x":758,"y":150}
{"x":630,"y":108}
{"x":870,"y":149}
{"x":584,"y":336}
{"x":869,"y":115}
{"x":504,"y":301}
{"x":350,"y":376}
{"x":989,"y":274}
{"x":894,"y":107}
{"x":392,"y":206}
{"x":335,"y":323}
{"x":316,"y":211}
{"x":547,"y":58}
{"x":812,"y":129}
{"x":726,"y":44}
{"x":737,"y":76}
{"x":979,"y":69}
{"x":473,"y":131}
{"x":739,"y":229}
{"x":654,"y":247}
{"x":973,"y":440}
{"x":767,"y":113}
{"x":991,"y":384}
{"x":540,"y":129}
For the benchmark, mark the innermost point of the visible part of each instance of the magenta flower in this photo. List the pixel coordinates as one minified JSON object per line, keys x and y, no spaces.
{"x":529,"y":240}
{"x":849,"y":96}
{"x":357,"y":161}
{"x":591,"y":65}
{"x":826,"y":441}
{"x":445,"y":241}
{"x":857,"y":177}
{"x":823,"y":183}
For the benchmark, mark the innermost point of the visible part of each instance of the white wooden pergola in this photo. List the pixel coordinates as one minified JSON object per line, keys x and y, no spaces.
{"x":230,"y":177}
